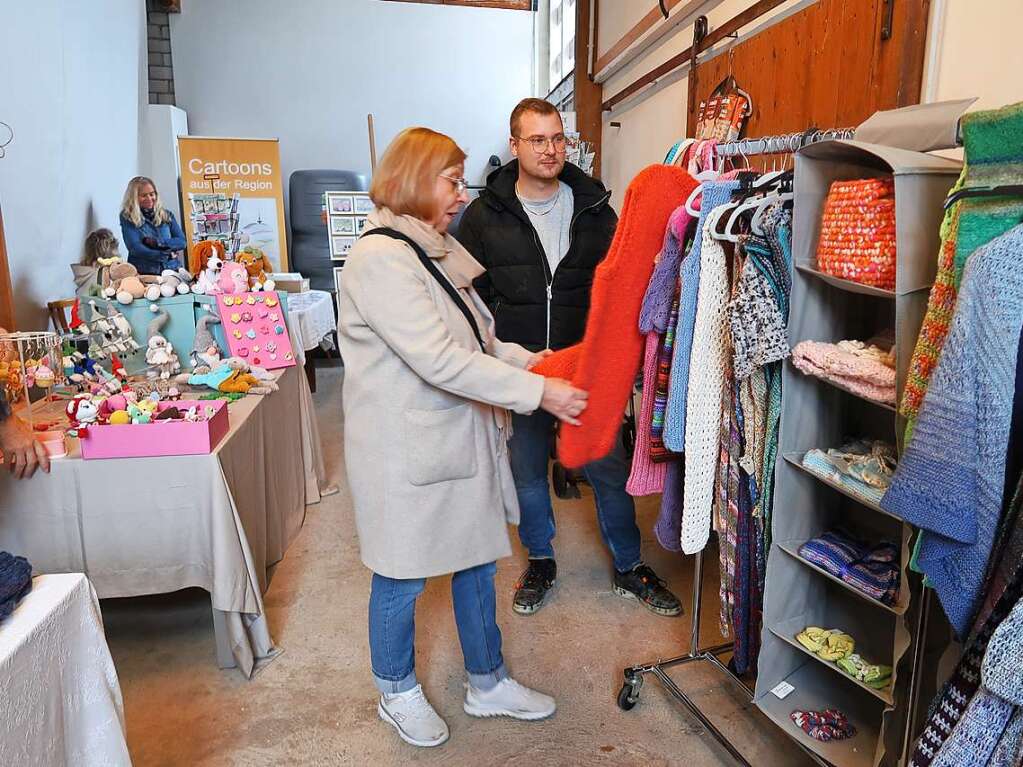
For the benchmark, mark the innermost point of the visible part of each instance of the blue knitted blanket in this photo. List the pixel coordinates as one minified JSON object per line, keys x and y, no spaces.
{"x":15,"y":581}
{"x":951,"y":479}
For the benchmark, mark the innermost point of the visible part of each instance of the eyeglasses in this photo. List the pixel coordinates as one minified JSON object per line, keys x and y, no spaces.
{"x":540,"y":143}
{"x":460,"y":183}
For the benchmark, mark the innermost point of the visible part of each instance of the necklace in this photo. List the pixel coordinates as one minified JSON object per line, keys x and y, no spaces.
{"x":540,"y":207}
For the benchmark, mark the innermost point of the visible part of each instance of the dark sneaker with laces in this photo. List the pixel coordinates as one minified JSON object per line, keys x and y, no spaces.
{"x":643,"y":584}
{"x":534,"y":585}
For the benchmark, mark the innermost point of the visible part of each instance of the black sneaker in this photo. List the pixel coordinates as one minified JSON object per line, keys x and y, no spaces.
{"x":643,"y":584}
{"x":534,"y":585}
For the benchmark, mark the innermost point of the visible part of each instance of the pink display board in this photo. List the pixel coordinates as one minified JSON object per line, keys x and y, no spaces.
{"x":255,"y":329}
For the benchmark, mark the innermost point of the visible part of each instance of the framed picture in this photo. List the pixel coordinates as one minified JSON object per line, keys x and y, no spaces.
{"x":340,"y":204}
{"x":363,"y":205}
{"x":340,"y":246}
{"x":360,"y":225}
{"x":343,"y":225}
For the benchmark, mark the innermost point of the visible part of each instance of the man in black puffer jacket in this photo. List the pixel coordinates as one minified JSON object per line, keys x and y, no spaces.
{"x":540,"y":228}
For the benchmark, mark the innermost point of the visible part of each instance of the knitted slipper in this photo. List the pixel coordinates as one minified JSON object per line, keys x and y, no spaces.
{"x":823,"y":725}
{"x":871,"y":674}
{"x":837,"y":646}
{"x":812,"y":638}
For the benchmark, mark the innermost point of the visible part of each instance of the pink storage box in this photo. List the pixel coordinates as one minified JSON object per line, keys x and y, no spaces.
{"x":159,"y":437}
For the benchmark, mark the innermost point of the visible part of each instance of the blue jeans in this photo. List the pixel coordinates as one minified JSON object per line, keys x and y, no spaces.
{"x":529,"y":450}
{"x":392,"y":628}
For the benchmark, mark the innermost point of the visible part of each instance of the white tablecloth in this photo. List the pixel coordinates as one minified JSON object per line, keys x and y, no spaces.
{"x":140,"y":526}
{"x":60,"y":702}
{"x":310,"y":319}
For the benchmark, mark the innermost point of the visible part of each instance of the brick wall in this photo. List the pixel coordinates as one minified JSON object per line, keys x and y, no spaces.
{"x":161,"y":67}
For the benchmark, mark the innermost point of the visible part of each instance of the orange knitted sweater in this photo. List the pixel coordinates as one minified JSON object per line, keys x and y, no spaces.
{"x":605,"y":363}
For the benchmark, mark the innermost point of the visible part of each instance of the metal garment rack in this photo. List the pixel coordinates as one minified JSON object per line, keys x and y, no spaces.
{"x":629,"y":693}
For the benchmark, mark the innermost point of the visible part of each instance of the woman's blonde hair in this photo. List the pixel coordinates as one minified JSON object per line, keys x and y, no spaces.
{"x":404,"y":180}
{"x":130,"y":204}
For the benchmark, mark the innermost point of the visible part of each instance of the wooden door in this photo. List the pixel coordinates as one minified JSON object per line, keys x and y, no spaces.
{"x":828,"y":66}
{"x":6,"y":294}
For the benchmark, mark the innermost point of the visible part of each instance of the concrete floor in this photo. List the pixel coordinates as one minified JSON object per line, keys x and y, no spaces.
{"x":316,"y":705}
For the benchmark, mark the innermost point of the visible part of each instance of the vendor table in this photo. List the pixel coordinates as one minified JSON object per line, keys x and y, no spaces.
{"x":310,"y":320}
{"x":61,"y":703}
{"x":140,"y":526}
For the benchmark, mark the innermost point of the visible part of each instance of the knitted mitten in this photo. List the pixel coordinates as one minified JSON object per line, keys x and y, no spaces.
{"x":606,"y":361}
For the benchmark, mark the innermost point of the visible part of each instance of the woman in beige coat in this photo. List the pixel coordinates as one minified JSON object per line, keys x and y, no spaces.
{"x":427,"y":391}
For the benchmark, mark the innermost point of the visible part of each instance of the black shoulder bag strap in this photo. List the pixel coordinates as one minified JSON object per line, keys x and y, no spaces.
{"x":431,"y":267}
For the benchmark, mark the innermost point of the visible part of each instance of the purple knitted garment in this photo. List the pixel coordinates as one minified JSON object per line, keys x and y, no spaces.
{"x":656,"y":311}
{"x":668,"y":527}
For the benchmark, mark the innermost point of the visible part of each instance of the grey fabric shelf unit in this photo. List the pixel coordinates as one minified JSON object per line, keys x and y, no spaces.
{"x":816,"y":414}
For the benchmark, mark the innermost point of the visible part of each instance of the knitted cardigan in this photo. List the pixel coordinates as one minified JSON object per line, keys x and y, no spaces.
{"x":706,"y":388}
{"x":951,"y":478}
{"x":606,"y":361}
{"x":714,"y":194}
{"x":984,"y":723}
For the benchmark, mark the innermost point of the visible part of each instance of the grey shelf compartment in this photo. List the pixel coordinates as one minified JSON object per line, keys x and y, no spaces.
{"x":795,"y":460}
{"x":851,"y":393}
{"x":787,"y":631}
{"x":814,"y":691}
{"x":899,"y":608}
{"x":849,"y":285}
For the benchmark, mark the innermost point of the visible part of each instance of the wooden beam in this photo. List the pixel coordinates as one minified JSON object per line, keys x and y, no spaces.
{"x":730,"y":27}
{"x":640,"y":28}
{"x":587,"y":93}
{"x":6,"y":292}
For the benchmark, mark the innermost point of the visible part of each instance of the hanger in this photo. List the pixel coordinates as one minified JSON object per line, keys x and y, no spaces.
{"x":1006,"y":190}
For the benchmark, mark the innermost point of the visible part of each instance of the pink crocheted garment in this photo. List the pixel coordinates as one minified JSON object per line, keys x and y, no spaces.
{"x":862,"y":375}
{"x":646,"y":477}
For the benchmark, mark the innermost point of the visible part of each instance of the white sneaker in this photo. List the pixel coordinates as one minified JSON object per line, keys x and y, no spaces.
{"x":508,"y":698}
{"x":413,"y":717}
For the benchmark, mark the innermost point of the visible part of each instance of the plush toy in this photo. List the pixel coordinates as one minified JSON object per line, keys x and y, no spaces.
{"x":170,"y":282}
{"x":205,"y":351}
{"x":82,"y":412}
{"x":208,"y":258}
{"x":257,"y":265}
{"x":142,"y":411}
{"x":119,"y":418}
{"x":117,"y":368}
{"x":234,"y":278}
{"x":159,"y":351}
{"x":231,"y":375}
{"x":122,"y":281}
{"x":170,"y":414}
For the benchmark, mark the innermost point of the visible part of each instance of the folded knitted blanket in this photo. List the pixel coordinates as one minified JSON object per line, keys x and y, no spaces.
{"x":951,"y":477}
{"x":606,"y":362}
{"x":873,"y":570}
{"x":863,"y":374}
{"x":15,"y":581}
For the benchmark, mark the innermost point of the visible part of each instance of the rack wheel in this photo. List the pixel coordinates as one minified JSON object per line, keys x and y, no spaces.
{"x":629,"y":694}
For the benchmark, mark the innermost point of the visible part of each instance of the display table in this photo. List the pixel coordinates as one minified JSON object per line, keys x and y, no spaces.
{"x":61,"y":703}
{"x":140,"y":526}
{"x":310,"y":320}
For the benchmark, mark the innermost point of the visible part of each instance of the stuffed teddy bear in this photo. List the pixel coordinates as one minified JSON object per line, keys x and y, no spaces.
{"x":234,"y":278}
{"x":170,"y":282}
{"x":257,"y":265}
{"x":122,"y":281}
{"x":208,"y":258}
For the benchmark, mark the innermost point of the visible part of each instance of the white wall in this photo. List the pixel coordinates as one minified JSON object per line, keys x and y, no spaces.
{"x":309,"y":72}
{"x":974,"y":51}
{"x":71,"y":88}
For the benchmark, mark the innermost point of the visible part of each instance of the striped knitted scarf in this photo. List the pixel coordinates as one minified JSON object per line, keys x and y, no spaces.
{"x":994,"y":155}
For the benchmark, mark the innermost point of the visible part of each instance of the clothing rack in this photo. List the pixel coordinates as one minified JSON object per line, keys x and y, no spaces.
{"x":629,"y":693}
{"x":786,"y":143}
{"x":633,"y":675}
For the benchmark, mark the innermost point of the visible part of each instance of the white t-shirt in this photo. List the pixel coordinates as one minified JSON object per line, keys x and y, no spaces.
{"x":552,"y":219}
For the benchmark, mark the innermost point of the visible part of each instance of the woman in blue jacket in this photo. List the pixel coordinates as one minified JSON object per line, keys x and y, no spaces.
{"x":150,"y":233}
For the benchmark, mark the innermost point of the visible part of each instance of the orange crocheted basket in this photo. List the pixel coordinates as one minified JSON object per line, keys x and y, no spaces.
{"x":857,"y":240}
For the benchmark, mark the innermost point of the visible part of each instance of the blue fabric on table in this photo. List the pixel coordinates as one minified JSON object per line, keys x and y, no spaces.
{"x":15,"y":581}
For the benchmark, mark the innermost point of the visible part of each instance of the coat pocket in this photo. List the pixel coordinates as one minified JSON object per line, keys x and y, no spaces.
{"x":440,"y":445}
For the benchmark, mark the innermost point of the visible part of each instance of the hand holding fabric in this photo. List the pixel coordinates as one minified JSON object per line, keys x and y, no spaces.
{"x":563,"y":400}
{"x":22,"y":453}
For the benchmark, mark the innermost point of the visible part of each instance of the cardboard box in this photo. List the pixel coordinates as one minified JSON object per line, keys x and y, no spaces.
{"x":290,"y":282}
{"x":159,"y":438}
